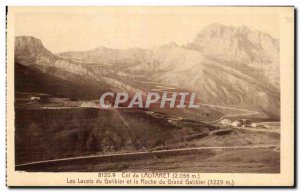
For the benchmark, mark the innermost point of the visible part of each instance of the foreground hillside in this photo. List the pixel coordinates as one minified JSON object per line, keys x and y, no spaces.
{"x":50,"y":134}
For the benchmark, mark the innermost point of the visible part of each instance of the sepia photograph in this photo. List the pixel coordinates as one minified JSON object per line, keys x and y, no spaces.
{"x":151,"y":91}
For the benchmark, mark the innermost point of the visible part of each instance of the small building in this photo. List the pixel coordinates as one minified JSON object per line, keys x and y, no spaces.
{"x":40,"y":97}
{"x":35,"y":98}
{"x":254,"y":125}
{"x":245,"y":122}
{"x":225,"y":122}
{"x":236,"y":123}
{"x":257,"y":125}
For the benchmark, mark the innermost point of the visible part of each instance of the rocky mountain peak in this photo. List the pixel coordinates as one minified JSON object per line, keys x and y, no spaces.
{"x":29,"y":43}
{"x":28,"y":40}
{"x":237,"y":43}
{"x":29,"y":48}
{"x":100,"y":48}
{"x":171,"y":44}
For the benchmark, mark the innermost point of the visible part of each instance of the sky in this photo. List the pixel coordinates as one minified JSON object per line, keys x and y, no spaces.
{"x":79,"y":29}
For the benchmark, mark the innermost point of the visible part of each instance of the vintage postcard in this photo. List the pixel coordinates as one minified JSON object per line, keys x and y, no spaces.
{"x":150,"y":96}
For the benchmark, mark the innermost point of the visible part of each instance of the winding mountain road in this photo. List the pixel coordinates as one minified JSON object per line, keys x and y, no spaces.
{"x":155,"y":152}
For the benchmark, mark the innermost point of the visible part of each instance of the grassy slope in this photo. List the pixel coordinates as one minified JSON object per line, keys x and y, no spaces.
{"x":50,"y":134}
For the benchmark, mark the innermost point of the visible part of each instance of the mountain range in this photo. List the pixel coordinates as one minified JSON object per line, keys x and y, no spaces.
{"x":224,"y":65}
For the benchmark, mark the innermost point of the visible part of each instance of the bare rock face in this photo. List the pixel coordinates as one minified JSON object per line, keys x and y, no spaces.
{"x":241,"y":47}
{"x":235,"y":43}
{"x":30,"y":50}
{"x":216,"y":83}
